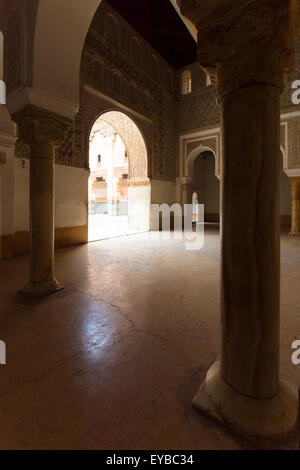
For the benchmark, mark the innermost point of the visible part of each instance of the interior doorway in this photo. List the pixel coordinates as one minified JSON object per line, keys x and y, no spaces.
{"x":206,"y":186}
{"x":119,"y":188}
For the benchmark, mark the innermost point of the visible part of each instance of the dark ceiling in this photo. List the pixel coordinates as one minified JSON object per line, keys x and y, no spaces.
{"x":158,"y":23}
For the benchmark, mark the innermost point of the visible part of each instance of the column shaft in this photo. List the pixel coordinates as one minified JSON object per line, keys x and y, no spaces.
{"x":41,"y":131}
{"x":247,"y":47}
{"x":251,"y":240}
{"x":41,"y":218}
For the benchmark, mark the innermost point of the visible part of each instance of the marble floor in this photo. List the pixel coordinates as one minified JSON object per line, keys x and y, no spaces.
{"x":114,"y":360}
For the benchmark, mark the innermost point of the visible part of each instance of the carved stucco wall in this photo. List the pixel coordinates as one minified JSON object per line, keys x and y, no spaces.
{"x":94,"y":106}
{"x":198,"y":110}
{"x":129,"y":74}
{"x":120,"y":71}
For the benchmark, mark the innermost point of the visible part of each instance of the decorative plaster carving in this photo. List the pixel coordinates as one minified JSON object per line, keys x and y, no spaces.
{"x":64,"y":154}
{"x":141,"y":89}
{"x":22,"y":150}
{"x":141,"y":182}
{"x":234,"y":44}
{"x":37,"y":126}
{"x":191,"y":145}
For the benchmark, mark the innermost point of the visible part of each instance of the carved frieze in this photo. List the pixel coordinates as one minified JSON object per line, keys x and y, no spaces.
{"x":127,"y":76}
{"x":22,"y":150}
{"x":249,"y":42}
{"x":64,"y":154}
{"x":36,"y":126}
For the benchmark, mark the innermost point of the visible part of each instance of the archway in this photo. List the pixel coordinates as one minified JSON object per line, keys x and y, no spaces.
{"x":56,"y":62}
{"x":205,"y":184}
{"x":119,"y":188}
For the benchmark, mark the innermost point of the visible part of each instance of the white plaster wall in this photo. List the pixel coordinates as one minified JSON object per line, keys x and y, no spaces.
{"x":71,"y":196}
{"x":163,"y":192}
{"x":139,"y":208}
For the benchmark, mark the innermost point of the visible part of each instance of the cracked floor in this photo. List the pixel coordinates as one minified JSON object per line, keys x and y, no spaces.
{"x":114,"y":360}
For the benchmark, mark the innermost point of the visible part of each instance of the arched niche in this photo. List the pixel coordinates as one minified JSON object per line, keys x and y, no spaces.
{"x":190,"y":161}
{"x":186,"y":82}
{"x":207,"y":186}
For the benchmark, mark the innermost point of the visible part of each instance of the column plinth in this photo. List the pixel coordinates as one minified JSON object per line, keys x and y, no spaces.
{"x":270,"y":418}
{"x":246,"y":50}
{"x":295,"y":183}
{"x":42,"y":132}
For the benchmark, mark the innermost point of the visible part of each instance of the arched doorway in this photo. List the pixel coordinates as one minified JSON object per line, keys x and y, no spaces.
{"x":119,"y":188}
{"x":206,"y":185}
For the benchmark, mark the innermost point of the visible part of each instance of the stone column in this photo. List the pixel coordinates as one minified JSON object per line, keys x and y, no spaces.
{"x":41,"y":132}
{"x":295,"y":183}
{"x":246,"y":48}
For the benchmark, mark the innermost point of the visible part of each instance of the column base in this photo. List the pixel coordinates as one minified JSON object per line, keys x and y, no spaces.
{"x":294,"y":234}
{"x":41,"y":289}
{"x":271,"y":419}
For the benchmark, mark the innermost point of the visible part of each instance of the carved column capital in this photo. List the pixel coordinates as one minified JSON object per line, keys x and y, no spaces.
{"x":244,"y":42}
{"x":295,"y":180}
{"x":38,"y":127}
